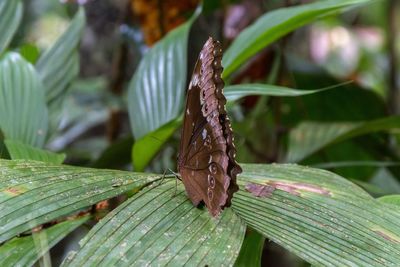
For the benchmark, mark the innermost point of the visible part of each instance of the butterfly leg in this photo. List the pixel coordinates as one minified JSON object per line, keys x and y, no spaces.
{"x":176,"y":187}
{"x":177,"y":176}
{"x":163,"y":177}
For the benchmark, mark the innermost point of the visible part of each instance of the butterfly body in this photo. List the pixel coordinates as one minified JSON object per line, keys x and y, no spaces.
{"x":206,"y":159}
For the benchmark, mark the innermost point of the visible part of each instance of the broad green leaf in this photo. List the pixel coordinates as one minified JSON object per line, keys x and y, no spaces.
{"x":318,"y":215}
{"x":23,"y":111}
{"x":10,"y":17}
{"x":275,"y":24}
{"x":251,"y":250}
{"x":33,"y":192}
{"x":234,"y":92}
{"x":391,"y":199}
{"x":59,"y":65}
{"x":18,"y":150}
{"x":160,"y":226}
{"x":147,"y":147}
{"x":25,"y":251}
{"x":156,"y":91}
{"x":344,"y":164}
{"x":309,"y":137}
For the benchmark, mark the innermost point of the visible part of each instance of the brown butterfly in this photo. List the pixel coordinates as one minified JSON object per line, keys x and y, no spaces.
{"x":206,"y":158}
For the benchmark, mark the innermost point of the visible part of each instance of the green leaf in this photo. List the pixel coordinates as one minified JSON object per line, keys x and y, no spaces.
{"x":320,"y":216}
{"x":344,"y":164}
{"x":25,"y":251}
{"x":159,"y":227}
{"x":30,"y":52}
{"x":59,"y":65}
{"x":356,"y":104}
{"x":385,"y":181}
{"x":10,"y":18}
{"x":33,"y":193}
{"x":18,"y":150}
{"x":309,"y":137}
{"x":276,"y":24}
{"x":147,"y":147}
{"x":391,"y":199}
{"x":23,"y":111}
{"x":156,"y":91}
{"x":56,"y":108}
{"x":234,"y":92}
{"x":251,"y":251}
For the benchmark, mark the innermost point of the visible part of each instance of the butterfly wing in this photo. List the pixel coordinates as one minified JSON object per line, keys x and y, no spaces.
{"x":206,"y":160}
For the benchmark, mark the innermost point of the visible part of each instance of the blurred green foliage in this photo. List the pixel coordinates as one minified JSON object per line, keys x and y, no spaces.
{"x":315,"y":84}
